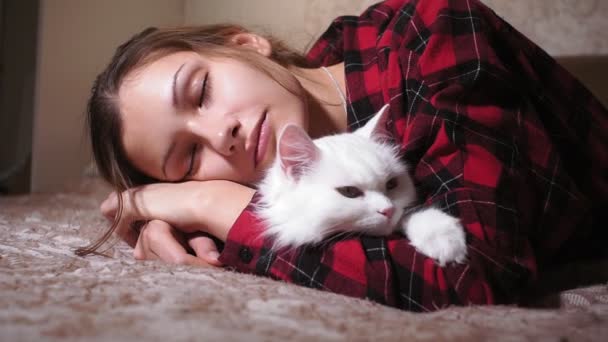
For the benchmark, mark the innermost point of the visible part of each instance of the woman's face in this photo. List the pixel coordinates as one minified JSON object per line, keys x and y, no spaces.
{"x":189,"y":117}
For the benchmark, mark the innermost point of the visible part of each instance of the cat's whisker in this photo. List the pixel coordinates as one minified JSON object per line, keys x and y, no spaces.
{"x":340,"y":235}
{"x":333,"y":237}
{"x":412,"y":142}
{"x":352,"y":234}
{"x":348,"y":234}
{"x":411,"y":209}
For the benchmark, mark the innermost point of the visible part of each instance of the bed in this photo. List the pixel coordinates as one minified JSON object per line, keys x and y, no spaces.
{"x":48,"y":293}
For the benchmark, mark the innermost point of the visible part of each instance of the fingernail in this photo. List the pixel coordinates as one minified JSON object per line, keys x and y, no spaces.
{"x":213,"y":255}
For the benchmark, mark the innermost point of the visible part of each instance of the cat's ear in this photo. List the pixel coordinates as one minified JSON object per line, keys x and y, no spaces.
{"x":375,"y":128}
{"x":296,"y":151}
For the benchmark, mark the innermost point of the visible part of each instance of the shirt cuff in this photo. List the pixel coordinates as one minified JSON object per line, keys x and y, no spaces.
{"x":244,"y":249}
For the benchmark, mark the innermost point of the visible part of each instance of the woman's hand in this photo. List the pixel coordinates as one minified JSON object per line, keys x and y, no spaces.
{"x":169,"y":202}
{"x":206,"y":206}
{"x":158,"y":240}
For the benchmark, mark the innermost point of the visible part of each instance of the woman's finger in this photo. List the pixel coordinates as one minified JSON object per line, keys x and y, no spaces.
{"x":187,"y":259}
{"x":204,"y":247}
{"x":172,"y":252}
{"x":130,"y":232}
{"x":141,"y":250}
{"x":130,"y":236}
{"x":109,"y":206}
{"x":159,"y":240}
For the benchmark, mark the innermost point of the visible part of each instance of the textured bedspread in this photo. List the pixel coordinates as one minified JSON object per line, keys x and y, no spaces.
{"x":47,"y":293}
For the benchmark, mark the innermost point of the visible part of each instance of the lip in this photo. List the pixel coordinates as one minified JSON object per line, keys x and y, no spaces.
{"x":254,"y":138}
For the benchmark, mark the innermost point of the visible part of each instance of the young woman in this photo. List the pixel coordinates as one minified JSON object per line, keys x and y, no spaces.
{"x":184,"y":121}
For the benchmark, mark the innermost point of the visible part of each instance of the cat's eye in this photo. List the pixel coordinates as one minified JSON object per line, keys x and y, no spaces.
{"x":392,"y":183}
{"x":350,"y":191}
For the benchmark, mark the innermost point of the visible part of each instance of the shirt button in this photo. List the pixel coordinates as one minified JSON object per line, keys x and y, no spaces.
{"x":245,"y":255}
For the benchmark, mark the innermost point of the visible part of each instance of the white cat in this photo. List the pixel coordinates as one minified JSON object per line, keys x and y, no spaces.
{"x":350,"y":183}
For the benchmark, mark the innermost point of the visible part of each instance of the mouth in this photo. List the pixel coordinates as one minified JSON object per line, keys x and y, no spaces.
{"x":260,"y":139}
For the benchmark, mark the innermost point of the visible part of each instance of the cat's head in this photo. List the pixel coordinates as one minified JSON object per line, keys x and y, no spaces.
{"x":354,"y":181}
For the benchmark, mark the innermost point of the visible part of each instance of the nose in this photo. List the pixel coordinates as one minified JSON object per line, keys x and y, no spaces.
{"x":221,"y":135}
{"x":388,"y":212}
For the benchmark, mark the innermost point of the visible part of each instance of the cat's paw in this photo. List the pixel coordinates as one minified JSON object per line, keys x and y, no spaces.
{"x":437,"y":235}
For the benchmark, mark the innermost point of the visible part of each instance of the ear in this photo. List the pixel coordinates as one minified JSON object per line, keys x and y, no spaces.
{"x":253,"y":41}
{"x":375,"y":128}
{"x":296,"y":151}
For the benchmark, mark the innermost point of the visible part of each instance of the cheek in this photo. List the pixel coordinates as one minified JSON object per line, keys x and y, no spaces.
{"x":289,"y":107}
{"x":215,"y":167}
{"x":345,"y":209}
{"x":299,"y":115}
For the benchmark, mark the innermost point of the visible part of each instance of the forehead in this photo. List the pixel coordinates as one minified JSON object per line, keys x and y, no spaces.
{"x":372,"y":164}
{"x":162,"y":67}
{"x":151,"y":82}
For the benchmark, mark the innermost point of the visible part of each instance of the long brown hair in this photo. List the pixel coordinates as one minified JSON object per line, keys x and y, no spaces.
{"x":103,"y":118}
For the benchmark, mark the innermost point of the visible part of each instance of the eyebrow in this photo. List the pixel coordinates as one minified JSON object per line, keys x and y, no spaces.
{"x":174,"y":86}
{"x":172,"y":146}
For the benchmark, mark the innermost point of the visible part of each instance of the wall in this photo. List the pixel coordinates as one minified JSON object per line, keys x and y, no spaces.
{"x":297,"y":21}
{"x":76,"y":40}
{"x":18,"y":31}
{"x":562,"y":27}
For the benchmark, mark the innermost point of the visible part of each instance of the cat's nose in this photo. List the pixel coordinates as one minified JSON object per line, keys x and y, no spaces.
{"x":388,"y":212}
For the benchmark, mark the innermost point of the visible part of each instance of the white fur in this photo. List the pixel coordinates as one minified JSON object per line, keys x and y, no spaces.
{"x":437,"y":235}
{"x":303,"y":206}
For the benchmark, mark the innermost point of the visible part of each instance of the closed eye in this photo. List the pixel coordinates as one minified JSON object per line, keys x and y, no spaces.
{"x":205,"y":90}
{"x":193,"y":152}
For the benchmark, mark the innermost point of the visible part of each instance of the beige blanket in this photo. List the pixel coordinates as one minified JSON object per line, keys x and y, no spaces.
{"x":47,"y":293}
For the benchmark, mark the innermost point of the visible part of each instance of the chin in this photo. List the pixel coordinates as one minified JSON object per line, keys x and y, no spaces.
{"x":256,"y":179}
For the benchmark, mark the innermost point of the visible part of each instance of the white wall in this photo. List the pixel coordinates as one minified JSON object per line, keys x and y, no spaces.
{"x":562,"y":27}
{"x":76,"y":40}
{"x":298,"y":22}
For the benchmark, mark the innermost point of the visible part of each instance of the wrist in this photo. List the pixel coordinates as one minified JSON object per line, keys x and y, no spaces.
{"x":219,"y":204}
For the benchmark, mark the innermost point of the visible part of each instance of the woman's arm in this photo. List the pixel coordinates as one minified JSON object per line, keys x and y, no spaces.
{"x":193,"y":207}
{"x":209,"y":206}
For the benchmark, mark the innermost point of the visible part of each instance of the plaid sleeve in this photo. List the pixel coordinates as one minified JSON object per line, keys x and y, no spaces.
{"x":472,"y":103}
{"x":387,"y":270}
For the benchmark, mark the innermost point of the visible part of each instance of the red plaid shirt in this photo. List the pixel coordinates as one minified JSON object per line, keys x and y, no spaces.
{"x":496,"y":133}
